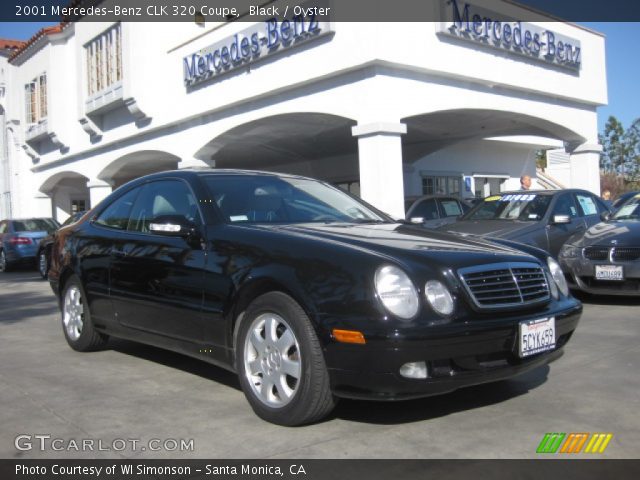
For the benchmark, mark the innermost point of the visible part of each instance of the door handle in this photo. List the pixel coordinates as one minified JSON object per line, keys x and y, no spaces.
{"x":118,"y":253}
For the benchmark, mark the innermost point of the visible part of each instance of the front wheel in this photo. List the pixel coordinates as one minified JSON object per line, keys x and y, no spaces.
{"x":280,"y":363}
{"x":78,"y":328}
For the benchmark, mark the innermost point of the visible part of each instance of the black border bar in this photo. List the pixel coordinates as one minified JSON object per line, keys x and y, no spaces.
{"x":339,"y":10}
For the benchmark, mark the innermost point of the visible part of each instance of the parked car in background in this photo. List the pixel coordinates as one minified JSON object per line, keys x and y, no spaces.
{"x":620,"y":200}
{"x":19,"y":240}
{"x":44,"y":247}
{"x":307,"y":293}
{"x":433,"y":211}
{"x":606,"y":258}
{"x":542,"y":218}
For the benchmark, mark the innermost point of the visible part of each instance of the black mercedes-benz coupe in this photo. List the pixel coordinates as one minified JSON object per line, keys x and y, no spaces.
{"x":308,"y":293}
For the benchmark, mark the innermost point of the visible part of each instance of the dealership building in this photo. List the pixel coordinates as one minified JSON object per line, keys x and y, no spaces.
{"x":386,"y":110}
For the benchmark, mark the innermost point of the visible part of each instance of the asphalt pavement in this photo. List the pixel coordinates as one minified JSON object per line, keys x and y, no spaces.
{"x":135,"y":401}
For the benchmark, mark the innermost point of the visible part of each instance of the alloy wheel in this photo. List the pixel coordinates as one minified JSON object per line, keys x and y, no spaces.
{"x":42,"y":264}
{"x":272,"y":360}
{"x":73,"y":310}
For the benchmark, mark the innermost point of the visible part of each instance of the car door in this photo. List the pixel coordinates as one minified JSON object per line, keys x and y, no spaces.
{"x":156,"y":280}
{"x":559,"y":233}
{"x":96,"y":242}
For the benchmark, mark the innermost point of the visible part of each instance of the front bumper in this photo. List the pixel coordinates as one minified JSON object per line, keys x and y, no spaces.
{"x":456,"y":355}
{"x":580,"y":275}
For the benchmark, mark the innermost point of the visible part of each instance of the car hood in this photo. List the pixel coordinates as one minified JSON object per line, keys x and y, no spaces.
{"x":508,"y":229}
{"x":611,"y":233}
{"x":399,"y":240}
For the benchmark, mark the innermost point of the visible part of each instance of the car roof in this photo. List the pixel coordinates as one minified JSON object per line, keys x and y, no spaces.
{"x":208,"y":171}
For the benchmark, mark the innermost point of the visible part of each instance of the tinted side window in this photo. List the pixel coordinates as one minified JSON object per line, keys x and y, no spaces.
{"x":166,"y":197}
{"x":426,"y":209}
{"x":565,"y":206}
{"x":588,"y":204}
{"x":116,"y":215}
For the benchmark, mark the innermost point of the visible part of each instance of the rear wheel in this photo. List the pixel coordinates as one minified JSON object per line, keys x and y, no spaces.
{"x":4,"y":264}
{"x":280,"y":363}
{"x":76,"y":319}
{"x":43,"y":264}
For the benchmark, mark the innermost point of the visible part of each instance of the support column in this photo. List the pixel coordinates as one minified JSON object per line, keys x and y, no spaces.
{"x":98,"y":191}
{"x":43,"y":206}
{"x":585,"y":167}
{"x":380,"y":161}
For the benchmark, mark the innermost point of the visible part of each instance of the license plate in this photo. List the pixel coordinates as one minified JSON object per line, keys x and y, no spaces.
{"x":537,"y":336}
{"x":609,"y":272}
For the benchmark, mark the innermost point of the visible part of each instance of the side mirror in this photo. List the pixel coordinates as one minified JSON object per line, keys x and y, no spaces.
{"x":561,"y":220}
{"x":605,"y":216}
{"x":417,"y":220}
{"x":172,"y":226}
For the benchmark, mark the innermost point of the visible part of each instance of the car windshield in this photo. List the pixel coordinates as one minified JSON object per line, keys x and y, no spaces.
{"x":630,"y":210}
{"x":272,"y":199}
{"x":527,"y":207}
{"x":35,"y":225}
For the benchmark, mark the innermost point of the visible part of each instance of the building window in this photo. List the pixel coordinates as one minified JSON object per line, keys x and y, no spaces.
{"x":36,"y":99}
{"x":441,"y":185}
{"x":78,"y":206}
{"x":104,"y":60}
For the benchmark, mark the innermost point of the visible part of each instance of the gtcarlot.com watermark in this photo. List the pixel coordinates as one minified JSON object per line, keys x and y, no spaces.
{"x":48,"y":443}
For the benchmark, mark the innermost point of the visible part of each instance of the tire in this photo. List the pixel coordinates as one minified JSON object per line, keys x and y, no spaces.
{"x":43,"y":264}
{"x":277,"y":342}
{"x":76,"y":319}
{"x":5,"y":266}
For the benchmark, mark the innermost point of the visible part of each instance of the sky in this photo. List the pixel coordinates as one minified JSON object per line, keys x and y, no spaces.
{"x":623,"y":67}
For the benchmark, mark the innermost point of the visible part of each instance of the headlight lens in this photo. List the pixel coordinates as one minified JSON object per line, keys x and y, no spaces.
{"x":552,"y":286}
{"x":569,"y":251}
{"x":439,"y":297}
{"x":396,"y":291}
{"x":558,"y":276}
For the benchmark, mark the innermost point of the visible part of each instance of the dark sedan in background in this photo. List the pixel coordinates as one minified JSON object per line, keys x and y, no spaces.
{"x":622,"y":199}
{"x":542,"y":218}
{"x":19,"y":240}
{"x":307,"y":293}
{"x":433,"y":211}
{"x":606,"y":258}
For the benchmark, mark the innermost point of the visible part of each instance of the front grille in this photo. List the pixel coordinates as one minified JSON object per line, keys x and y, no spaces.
{"x":625,"y":254}
{"x":616,"y":254}
{"x":596,"y":253}
{"x":505,"y":285}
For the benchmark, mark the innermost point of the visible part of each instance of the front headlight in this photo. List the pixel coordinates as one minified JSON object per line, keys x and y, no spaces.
{"x":558,"y":276}
{"x":396,"y":291}
{"x":439,"y":297}
{"x":569,"y":251}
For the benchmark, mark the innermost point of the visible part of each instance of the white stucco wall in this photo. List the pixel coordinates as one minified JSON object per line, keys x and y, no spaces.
{"x":366,"y":72}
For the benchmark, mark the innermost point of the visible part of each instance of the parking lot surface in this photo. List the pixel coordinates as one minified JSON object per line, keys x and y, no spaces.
{"x":132,"y":391}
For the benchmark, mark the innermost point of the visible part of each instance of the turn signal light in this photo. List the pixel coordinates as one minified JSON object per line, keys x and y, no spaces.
{"x":348,"y":336}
